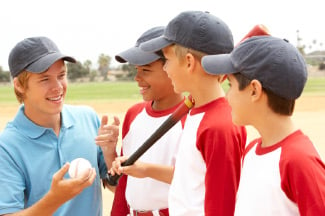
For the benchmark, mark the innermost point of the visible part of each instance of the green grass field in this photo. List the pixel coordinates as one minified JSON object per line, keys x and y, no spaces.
{"x":127,"y":90}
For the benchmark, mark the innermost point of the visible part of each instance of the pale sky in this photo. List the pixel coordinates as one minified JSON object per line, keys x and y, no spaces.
{"x":86,"y":28}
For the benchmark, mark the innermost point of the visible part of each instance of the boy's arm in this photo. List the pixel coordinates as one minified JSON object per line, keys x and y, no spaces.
{"x":140,"y":169}
{"x":159,"y":172}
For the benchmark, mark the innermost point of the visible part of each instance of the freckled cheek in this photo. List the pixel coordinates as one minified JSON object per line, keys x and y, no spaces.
{"x":64,"y":87}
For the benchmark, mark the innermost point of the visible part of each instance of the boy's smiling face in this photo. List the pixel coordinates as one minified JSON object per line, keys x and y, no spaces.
{"x":174,"y":68}
{"x":153,"y":81}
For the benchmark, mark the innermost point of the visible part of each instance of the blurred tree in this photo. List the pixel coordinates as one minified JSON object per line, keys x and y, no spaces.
{"x":88,"y":64}
{"x":321,"y":66}
{"x":76,"y":70}
{"x":91,"y":73}
{"x":300,"y":46}
{"x":4,"y":75}
{"x":130,"y":70}
{"x":104,"y":62}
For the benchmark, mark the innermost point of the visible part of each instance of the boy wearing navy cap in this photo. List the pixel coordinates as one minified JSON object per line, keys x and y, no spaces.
{"x":282,"y":173}
{"x":147,"y":196}
{"x":208,"y":162}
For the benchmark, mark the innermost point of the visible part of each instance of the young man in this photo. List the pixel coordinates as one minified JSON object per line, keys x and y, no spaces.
{"x":37,"y":146}
{"x":134,"y":194}
{"x":282,"y":171}
{"x":208,"y":163}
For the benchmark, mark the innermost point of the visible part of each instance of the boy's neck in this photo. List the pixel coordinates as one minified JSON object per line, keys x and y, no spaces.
{"x":274,"y":129}
{"x":207,"y":93}
{"x":46,"y":121}
{"x":167,"y":102}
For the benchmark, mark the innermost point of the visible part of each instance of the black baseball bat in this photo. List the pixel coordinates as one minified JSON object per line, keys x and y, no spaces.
{"x":164,"y":127}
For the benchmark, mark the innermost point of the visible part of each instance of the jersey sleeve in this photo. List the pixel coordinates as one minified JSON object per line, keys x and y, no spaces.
{"x":222,"y":152}
{"x":303,"y":178}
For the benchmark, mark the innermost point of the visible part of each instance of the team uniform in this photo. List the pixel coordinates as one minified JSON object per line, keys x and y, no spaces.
{"x":31,"y":154}
{"x":208,"y":164}
{"x":146,"y":194}
{"x":287,"y":178}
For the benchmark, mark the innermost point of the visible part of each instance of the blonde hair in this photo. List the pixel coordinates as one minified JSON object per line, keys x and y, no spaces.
{"x":181,"y":51}
{"x":22,"y":80}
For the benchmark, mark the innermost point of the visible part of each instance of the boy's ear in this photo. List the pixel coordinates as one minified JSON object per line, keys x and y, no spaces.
{"x":17,"y":85}
{"x":256,"y":89}
{"x":190,"y":61}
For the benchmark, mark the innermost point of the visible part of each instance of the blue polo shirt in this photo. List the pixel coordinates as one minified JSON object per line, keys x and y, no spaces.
{"x":30,"y":155}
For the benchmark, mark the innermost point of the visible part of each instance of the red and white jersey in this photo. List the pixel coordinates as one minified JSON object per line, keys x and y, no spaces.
{"x":140,"y":122}
{"x":286,"y":179}
{"x":208,"y":162}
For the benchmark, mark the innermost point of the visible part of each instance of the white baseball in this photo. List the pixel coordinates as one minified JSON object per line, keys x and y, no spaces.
{"x":79,"y":167}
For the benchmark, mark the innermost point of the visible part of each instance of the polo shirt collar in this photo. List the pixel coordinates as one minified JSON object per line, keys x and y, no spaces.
{"x":32,"y":130}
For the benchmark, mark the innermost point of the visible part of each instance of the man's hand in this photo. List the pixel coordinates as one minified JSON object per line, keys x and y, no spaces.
{"x":108,"y":134}
{"x":107,"y":139}
{"x":66,"y":189}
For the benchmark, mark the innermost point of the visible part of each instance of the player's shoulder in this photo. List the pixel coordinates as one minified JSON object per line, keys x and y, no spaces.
{"x":138,"y":107}
{"x":218,"y":114}
{"x":298,"y":149}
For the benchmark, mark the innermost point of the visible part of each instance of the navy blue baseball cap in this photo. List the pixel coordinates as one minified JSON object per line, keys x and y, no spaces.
{"x":196,"y":30}
{"x":35,"y":54}
{"x":276,"y":63}
{"x":136,"y":56}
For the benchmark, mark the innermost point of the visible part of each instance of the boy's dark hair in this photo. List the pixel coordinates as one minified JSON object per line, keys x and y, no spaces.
{"x":277,"y":104}
{"x":162,"y":57}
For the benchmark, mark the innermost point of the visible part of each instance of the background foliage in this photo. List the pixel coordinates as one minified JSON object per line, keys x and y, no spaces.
{"x":126,"y":90}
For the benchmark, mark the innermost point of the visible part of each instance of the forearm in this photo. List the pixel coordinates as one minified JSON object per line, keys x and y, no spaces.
{"x":109,"y":156}
{"x":45,"y":206}
{"x":160,"y":172}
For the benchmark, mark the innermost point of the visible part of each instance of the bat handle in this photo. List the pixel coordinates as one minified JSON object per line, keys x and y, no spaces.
{"x":112,"y":179}
{"x":173,"y":119}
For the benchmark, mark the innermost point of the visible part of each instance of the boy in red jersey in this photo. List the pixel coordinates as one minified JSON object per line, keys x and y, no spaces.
{"x":282,"y":172}
{"x":147,"y":196}
{"x":208,"y":162}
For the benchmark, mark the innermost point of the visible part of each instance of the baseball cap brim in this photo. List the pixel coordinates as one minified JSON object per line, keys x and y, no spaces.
{"x":43,"y":63}
{"x":135,"y":56}
{"x":155,"y":44}
{"x":218,"y":64}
